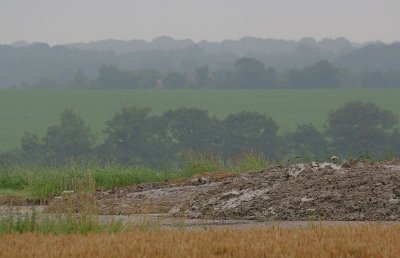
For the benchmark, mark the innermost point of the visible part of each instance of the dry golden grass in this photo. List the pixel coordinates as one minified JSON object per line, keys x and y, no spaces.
{"x":316,"y":241}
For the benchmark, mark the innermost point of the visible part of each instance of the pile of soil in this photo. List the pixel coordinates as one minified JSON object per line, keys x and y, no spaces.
{"x":156,"y":198}
{"x":354,"y":191}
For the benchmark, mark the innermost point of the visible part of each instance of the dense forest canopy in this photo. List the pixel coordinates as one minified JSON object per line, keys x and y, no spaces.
{"x":169,"y":63}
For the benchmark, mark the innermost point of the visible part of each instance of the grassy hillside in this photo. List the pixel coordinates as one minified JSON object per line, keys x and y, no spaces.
{"x":35,"y":110}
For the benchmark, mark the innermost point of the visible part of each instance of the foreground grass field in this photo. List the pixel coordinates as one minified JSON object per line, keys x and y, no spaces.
{"x":314,"y":241}
{"x":41,"y":182}
{"x":36,"y":110}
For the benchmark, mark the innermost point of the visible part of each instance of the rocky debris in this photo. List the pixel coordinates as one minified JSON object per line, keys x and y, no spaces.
{"x":71,"y":202}
{"x":357,"y":190}
{"x":147,"y":198}
{"x":354,"y":190}
{"x":305,"y":199}
{"x":295,"y":170}
{"x":67,"y":193}
{"x":124,"y":202}
{"x":394,"y":201}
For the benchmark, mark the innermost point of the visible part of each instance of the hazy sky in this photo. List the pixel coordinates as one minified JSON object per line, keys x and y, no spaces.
{"x":62,"y":21}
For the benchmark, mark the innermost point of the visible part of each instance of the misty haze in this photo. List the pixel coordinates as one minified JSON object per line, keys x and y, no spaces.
{"x":189,"y":128}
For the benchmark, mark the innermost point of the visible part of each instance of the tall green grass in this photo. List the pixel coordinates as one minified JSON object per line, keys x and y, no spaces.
{"x":46,"y":182}
{"x":206,"y":163}
{"x":43,"y":182}
{"x":34,"y":222}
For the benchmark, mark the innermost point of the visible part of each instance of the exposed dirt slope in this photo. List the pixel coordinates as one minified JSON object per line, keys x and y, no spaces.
{"x":356,"y":190}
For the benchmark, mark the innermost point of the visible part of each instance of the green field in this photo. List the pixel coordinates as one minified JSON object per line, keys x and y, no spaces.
{"x":24,"y":110}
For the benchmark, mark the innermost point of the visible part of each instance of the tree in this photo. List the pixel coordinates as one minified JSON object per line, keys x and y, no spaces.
{"x":271,"y":77}
{"x":80,"y":80}
{"x":249,"y":132}
{"x":202,"y":76}
{"x":394,"y":144}
{"x":126,"y":134}
{"x":133,"y":137}
{"x":147,"y":78}
{"x":175,"y":80}
{"x":380,"y":79}
{"x":358,"y":128}
{"x":306,"y":142}
{"x":47,"y":83}
{"x":32,"y":147}
{"x":193,"y":129}
{"x":110,"y":76}
{"x":250,"y":73}
{"x":72,"y":138}
{"x":320,"y":75}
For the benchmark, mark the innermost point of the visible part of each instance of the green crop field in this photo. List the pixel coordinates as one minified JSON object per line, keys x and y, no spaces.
{"x":24,"y":110}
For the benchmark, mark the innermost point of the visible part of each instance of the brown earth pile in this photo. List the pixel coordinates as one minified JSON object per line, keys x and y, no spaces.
{"x":356,"y":190}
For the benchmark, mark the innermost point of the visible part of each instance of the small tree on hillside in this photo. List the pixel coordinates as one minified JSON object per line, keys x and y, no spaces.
{"x":250,"y":73}
{"x":358,"y":128}
{"x":193,"y":129}
{"x":72,"y":138}
{"x":306,"y":142}
{"x":32,"y":147}
{"x":133,"y":137}
{"x":250,"y":132}
{"x":126,"y":134}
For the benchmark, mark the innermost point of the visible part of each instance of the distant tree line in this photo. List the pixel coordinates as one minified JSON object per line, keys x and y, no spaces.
{"x":246,"y":73}
{"x":135,"y":137}
{"x":23,"y":64}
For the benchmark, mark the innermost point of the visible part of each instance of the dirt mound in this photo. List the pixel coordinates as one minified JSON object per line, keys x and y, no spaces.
{"x":355,"y":190}
{"x":147,"y":198}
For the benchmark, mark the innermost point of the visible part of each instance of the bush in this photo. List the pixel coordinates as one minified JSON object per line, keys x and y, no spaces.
{"x":358,"y":128}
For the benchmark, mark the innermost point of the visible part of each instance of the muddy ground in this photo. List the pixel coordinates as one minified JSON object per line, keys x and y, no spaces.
{"x":353,"y":191}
